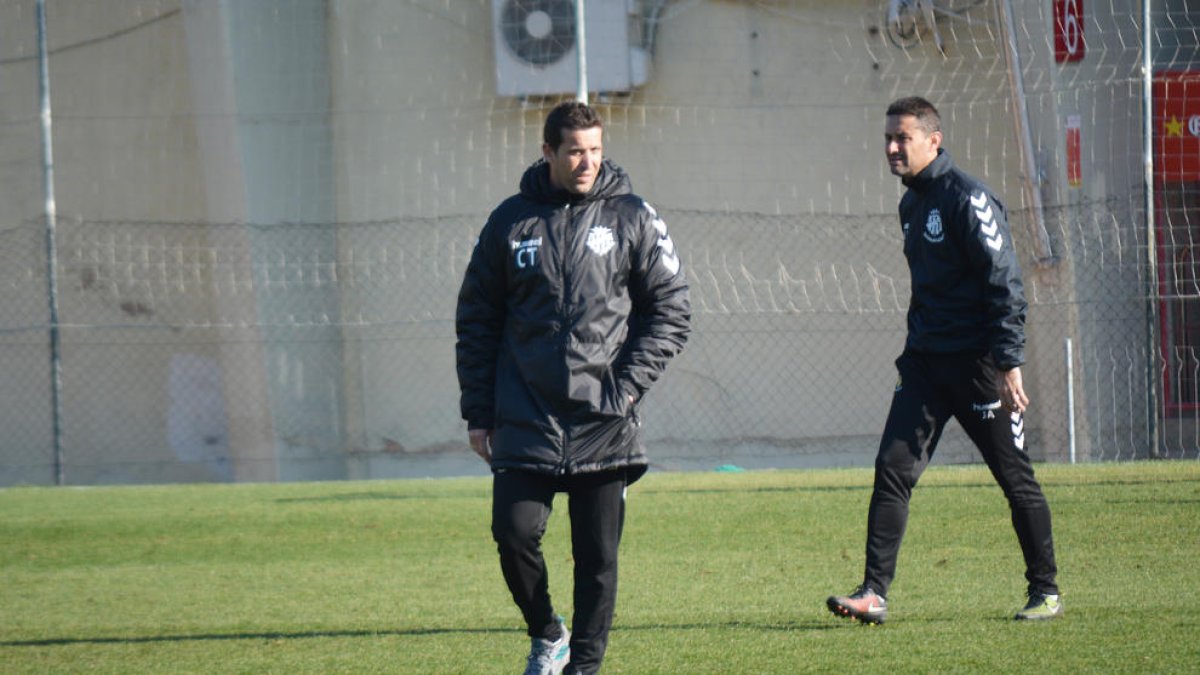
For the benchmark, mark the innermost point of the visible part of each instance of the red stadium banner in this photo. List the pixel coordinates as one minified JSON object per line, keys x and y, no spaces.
{"x":1177,"y":126}
{"x":1068,"y":31}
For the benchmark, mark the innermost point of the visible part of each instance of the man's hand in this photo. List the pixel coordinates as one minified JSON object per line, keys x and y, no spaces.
{"x":481,"y":443}
{"x":1012,"y":391}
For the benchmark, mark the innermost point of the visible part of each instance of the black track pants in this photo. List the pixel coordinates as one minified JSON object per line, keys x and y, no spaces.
{"x":933,"y":388}
{"x":521,"y":504}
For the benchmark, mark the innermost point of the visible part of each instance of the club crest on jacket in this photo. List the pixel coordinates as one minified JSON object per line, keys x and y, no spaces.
{"x":933,"y":227}
{"x":601,"y":240}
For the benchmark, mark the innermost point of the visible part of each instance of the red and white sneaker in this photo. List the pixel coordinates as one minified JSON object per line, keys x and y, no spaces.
{"x":863,"y":604}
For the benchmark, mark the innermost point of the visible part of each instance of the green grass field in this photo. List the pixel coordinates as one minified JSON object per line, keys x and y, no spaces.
{"x":720,"y":573}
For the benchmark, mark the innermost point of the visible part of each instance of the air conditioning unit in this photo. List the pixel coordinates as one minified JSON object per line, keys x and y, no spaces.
{"x":535,"y":46}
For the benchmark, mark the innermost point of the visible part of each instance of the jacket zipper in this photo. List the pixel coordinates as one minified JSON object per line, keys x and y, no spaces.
{"x":564,"y":253}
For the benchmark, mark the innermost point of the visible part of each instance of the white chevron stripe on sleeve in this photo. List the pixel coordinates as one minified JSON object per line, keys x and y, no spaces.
{"x":987,"y":222}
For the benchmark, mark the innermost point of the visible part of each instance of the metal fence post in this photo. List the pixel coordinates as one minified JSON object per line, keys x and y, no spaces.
{"x":51,"y":244}
{"x":1151,"y":239}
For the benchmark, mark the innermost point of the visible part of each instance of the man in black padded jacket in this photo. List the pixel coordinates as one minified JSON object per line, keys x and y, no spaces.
{"x":962,"y":359}
{"x":571,"y":306}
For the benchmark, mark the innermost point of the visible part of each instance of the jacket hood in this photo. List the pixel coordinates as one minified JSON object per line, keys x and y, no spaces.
{"x":612,"y":182}
{"x":940,"y":166}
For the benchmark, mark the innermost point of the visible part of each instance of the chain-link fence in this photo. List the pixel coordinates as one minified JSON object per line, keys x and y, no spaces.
{"x":261,"y":286}
{"x":209,"y":352}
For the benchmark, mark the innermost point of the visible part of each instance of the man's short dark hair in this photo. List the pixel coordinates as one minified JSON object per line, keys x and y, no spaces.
{"x":927,"y":116}
{"x":569,"y":115}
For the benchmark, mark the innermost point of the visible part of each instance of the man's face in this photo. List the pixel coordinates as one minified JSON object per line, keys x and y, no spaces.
{"x":909,"y":149}
{"x":575,"y":165}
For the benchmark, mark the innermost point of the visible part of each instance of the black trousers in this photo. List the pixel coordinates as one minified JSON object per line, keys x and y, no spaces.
{"x":933,"y":388}
{"x":521,"y":505}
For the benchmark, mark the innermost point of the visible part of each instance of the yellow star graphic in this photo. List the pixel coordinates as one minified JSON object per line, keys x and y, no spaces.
{"x":1173,"y":127}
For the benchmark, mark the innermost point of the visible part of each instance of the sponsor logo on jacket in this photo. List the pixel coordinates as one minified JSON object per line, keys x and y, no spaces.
{"x":525,"y":252}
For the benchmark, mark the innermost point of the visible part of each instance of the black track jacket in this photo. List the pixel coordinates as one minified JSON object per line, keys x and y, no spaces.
{"x":570,"y":304}
{"x":966,"y":283}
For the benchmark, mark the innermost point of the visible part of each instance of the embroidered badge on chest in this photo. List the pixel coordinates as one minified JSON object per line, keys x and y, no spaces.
{"x":601,"y":240}
{"x":934,"y":233}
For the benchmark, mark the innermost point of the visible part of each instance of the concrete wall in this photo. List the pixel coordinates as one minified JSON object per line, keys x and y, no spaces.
{"x":225,"y":139}
{"x":24,"y":409}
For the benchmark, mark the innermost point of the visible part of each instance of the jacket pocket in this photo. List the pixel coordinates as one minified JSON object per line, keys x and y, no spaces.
{"x":613,"y":402}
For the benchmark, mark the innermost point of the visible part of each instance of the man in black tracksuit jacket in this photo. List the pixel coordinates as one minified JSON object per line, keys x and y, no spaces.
{"x":571,"y":306}
{"x":962,"y":359}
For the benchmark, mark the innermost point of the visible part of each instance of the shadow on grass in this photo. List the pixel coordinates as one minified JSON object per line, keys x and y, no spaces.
{"x":924,"y":487}
{"x":779,"y":627}
{"x":383,"y":496}
{"x":305,"y":635}
{"x":786,"y":627}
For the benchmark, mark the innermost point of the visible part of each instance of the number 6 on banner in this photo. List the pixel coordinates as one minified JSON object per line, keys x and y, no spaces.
{"x":1068,"y":31}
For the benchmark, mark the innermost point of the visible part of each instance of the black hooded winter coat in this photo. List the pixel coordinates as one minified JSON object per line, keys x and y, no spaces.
{"x":570,"y":307}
